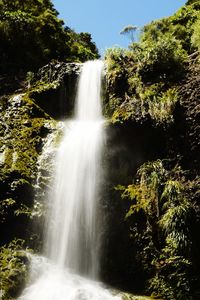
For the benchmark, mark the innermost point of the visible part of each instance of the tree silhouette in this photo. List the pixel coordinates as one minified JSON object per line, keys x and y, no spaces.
{"x":129,"y":30}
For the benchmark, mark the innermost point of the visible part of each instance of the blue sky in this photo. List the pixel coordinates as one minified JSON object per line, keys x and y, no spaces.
{"x":104,"y":19}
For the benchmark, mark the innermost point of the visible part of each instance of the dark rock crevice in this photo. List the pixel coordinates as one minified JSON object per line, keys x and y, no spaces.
{"x":54,"y":88}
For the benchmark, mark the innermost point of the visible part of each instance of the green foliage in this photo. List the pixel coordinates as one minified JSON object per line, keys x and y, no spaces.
{"x":142,"y":81}
{"x":162,"y":105}
{"x":179,"y":26}
{"x":162,"y":59}
{"x":140,"y":101}
{"x":5,"y":206}
{"x":191,"y":2}
{"x":176,"y":221}
{"x":114,"y":59}
{"x":116,"y":78}
{"x":81,"y":46}
{"x":173,"y":279}
{"x":161,"y":217}
{"x":139,"y":80}
{"x":31,"y":34}
{"x":146,"y":192}
{"x":14,"y":269}
{"x":195,"y":39}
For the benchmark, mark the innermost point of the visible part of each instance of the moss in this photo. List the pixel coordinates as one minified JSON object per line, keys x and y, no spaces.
{"x":25,"y":127}
{"x":6,"y":205}
{"x":42,"y":86}
{"x":126,"y":296}
{"x":53,"y":88}
{"x":25,"y":122}
{"x":14,"y":269}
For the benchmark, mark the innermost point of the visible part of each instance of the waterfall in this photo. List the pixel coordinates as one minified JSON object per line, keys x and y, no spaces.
{"x":70,"y":268}
{"x":72,"y":239}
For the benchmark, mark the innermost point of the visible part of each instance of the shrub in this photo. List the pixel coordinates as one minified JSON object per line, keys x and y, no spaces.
{"x":161,"y":219}
{"x":195,"y":39}
{"x":162,"y":60}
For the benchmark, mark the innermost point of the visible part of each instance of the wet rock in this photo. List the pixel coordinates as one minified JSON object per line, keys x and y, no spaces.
{"x":53,"y":88}
{"x":126,"y":296}
{"x":24,"y":127}
{"x":14,"y":269}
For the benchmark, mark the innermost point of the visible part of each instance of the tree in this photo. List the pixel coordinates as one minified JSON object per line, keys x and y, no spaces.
{"x":31,"y":34}
{"x":130,"y":31}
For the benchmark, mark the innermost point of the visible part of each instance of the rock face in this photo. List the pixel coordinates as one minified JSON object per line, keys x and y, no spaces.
{"x":53,"y":88}
{"x":190,"y":103}
{"x":27,"y":120}
{"x":24,"y":128}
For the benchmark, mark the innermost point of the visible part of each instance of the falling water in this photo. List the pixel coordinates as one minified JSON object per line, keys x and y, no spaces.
{"x":72,"y":239}
{"x":71,"y":267}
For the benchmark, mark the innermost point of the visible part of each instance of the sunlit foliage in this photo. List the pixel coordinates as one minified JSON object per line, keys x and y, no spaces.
{"x":149,"y":72}
{"x":31,"y":34}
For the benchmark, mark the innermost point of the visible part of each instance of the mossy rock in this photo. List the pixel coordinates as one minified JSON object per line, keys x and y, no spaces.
{"x":53,"y":88}
{"x":127,"y":296}
{"x":14,"y":269}
{"x":24,"y":127}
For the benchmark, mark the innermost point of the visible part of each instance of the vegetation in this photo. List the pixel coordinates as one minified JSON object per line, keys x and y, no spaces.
{"x":129,"y":30}
{"x":162,"y":222}
{"x":31,"y":34}
{"x":196,"y":34}
{"x":155,"y":83}
{"x":14,"y":269}
{"x":151,"y":70}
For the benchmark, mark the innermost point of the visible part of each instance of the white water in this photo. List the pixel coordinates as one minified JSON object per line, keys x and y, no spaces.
{"x":72,"y":238}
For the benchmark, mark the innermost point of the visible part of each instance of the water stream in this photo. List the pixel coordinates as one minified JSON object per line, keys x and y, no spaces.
{"x":70,"y":268}
{"x":72,"y":236}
